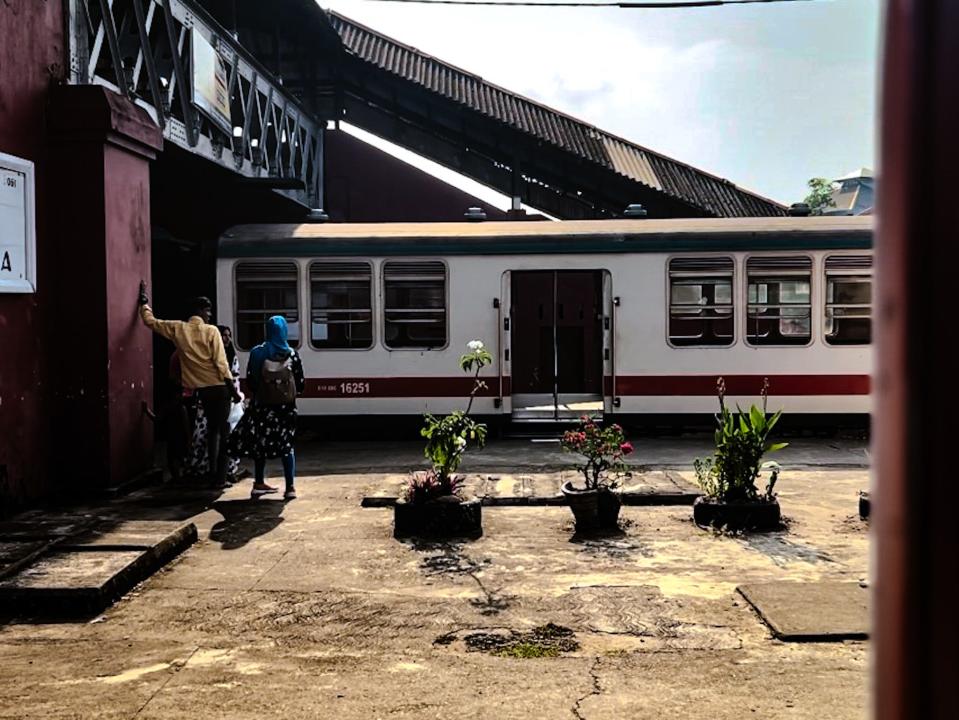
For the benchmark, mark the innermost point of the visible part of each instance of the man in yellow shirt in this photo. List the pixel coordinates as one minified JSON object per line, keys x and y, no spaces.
{"x":204,"y":370}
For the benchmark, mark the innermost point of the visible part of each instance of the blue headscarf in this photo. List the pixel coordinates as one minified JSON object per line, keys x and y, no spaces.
{"x":275,"y":347}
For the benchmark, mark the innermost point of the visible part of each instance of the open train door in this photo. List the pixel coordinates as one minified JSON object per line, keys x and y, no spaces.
{"x":557,"y":343}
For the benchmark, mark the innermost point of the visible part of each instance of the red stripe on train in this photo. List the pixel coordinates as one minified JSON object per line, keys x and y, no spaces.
{"x":749,"y":385}
{"x":626,"y":385}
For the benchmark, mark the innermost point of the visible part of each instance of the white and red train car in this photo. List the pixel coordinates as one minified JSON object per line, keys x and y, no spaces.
{"x":622,"y":317}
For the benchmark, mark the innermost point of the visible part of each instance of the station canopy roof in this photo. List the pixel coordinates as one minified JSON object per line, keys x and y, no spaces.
{"x":554,"y":162}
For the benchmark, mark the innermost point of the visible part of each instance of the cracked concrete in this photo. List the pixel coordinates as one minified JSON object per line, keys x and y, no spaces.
{"x":576,"y":710}
{"x":312,"y":609}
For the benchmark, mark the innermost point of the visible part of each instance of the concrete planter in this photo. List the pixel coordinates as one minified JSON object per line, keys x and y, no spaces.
{"x":757,"y":516}
{"x":593,"y":510}
{"x":446,"y":517}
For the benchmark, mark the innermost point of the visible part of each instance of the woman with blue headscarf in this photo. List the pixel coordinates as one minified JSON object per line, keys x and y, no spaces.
{"x":274,"y":376}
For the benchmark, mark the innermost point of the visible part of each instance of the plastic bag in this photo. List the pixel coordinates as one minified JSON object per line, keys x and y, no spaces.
{"x":236,"y":412}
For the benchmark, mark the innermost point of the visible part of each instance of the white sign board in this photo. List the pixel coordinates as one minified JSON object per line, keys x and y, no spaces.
{"x":211,"y":82}
{"x":18,"y":236}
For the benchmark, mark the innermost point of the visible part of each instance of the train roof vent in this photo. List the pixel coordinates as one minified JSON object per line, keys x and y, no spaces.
{"x":702,"y":265}
{"x":356,"y":270}
{"x":265,"y":271}
{"x":839,"y":263}
{"x":414,"y":270}
{"x":774,"y":265}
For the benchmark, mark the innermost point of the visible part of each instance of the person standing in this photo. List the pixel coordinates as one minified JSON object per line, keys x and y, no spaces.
{"x":198,"y":462}
{"x":274,"y":376}
{"x":203,"y":369}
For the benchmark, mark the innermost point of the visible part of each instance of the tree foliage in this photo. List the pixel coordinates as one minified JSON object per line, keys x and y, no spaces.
{"x":820,"y":195}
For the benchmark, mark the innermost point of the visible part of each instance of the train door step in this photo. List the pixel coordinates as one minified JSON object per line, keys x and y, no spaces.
{"x":537,"y":409}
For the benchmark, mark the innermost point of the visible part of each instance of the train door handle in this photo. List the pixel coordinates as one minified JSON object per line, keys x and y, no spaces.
{"x":605,"y":354}
{"x":506,"y":324}
{"x":606,"y":323}
{"x":506,"y":355}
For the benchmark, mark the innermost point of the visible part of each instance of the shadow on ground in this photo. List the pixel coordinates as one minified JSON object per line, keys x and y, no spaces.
{"x":244,"y":520}
{"x":450,"y":559}
{"x":781,"y":550}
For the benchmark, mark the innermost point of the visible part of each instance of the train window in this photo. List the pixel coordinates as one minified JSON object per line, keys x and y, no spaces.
{"x":341,"y":306}
{"x":414,"y":304}
{"x":264,"y":289}
{"x":701,"y":301}
{"x":779,"y":306}
{"x":848,"y":318}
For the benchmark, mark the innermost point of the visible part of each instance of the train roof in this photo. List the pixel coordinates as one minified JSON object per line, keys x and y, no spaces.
{"x":564,"y":236}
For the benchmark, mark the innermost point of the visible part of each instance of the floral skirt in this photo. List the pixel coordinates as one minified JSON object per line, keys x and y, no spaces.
{"x":197,"y":461}
{"x":264,"y":431}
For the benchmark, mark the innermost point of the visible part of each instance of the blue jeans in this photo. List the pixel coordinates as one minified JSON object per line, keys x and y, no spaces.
{"x":289,"y":469}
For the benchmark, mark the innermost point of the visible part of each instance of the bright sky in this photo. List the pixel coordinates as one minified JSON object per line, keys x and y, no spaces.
{"x":767,"y":96}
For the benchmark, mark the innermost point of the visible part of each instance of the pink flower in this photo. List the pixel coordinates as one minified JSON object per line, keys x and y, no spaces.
{"x":626,"y":447}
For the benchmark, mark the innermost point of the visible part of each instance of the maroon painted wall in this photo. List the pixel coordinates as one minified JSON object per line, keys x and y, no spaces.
{"x":365,"y":184}
{"x":130,"y":380}
{"x":32,"y":59}
{"x":103,"y":247}
{"x":915,"y":660}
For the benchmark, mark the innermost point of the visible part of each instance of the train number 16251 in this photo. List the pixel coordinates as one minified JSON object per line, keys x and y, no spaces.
{"x":355,"y":388}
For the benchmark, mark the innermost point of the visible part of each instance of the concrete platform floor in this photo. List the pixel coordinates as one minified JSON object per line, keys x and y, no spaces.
{"x":311,"y":609}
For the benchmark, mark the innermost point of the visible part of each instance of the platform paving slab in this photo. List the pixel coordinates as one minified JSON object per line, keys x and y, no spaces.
{"x":655,"y":487}
{"x":15,"y":555}
{"x":818,"y":611}
{"x":84,"y":574}
{"x":45,"y":526}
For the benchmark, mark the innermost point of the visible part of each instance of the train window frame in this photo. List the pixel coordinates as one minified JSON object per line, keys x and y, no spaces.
{"x":867,"y":271}
{"x":237,"y":266}
{"x":733,"y":281}
{"x":813,"y":297}
{"x":373,"y":309}
{"x":447,"y":277}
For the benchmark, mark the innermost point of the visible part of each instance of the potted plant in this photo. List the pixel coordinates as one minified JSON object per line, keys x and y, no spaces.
{"x":433,"y":506}
{"x":731,"y":497}
{"x":595,"y":505}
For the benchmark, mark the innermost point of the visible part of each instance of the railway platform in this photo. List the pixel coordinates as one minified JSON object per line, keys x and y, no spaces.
{"x":311,"y":609}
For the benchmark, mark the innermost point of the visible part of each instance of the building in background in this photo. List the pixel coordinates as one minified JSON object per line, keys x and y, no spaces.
{"x":854,"y":194}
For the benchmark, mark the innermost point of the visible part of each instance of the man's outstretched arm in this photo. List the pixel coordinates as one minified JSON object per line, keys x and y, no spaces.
{"x":166,"y":328}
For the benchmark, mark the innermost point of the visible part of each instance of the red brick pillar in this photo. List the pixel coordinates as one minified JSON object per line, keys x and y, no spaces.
{"x":102,"y":145}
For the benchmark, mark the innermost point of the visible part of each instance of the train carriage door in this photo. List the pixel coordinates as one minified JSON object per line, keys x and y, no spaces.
{"x":556,"y":343}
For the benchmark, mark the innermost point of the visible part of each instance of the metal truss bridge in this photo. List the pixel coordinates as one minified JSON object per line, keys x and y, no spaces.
{"x":144,"y":50}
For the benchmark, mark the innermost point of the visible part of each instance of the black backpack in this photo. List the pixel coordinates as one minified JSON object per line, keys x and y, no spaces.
{"x":277,"y":386}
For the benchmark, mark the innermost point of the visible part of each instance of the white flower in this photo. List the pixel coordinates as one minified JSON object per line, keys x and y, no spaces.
{"x":460,"y":441}
{"x":475,"y":345}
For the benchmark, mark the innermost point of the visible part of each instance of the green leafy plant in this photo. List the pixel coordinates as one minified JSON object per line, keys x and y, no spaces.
{"x":742,"y":440}
{"x":448,"y":437}
{"x":819,"y":198}
{"x":603,"y":449}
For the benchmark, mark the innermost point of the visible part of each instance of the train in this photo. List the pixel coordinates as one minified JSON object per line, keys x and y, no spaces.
{"x":626,"y":318}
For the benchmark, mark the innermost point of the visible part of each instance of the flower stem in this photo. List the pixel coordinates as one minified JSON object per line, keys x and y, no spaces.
{"x":476,"y":386}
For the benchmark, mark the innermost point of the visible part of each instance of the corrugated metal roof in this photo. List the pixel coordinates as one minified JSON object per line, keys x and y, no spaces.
{"x":700,"y":189}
